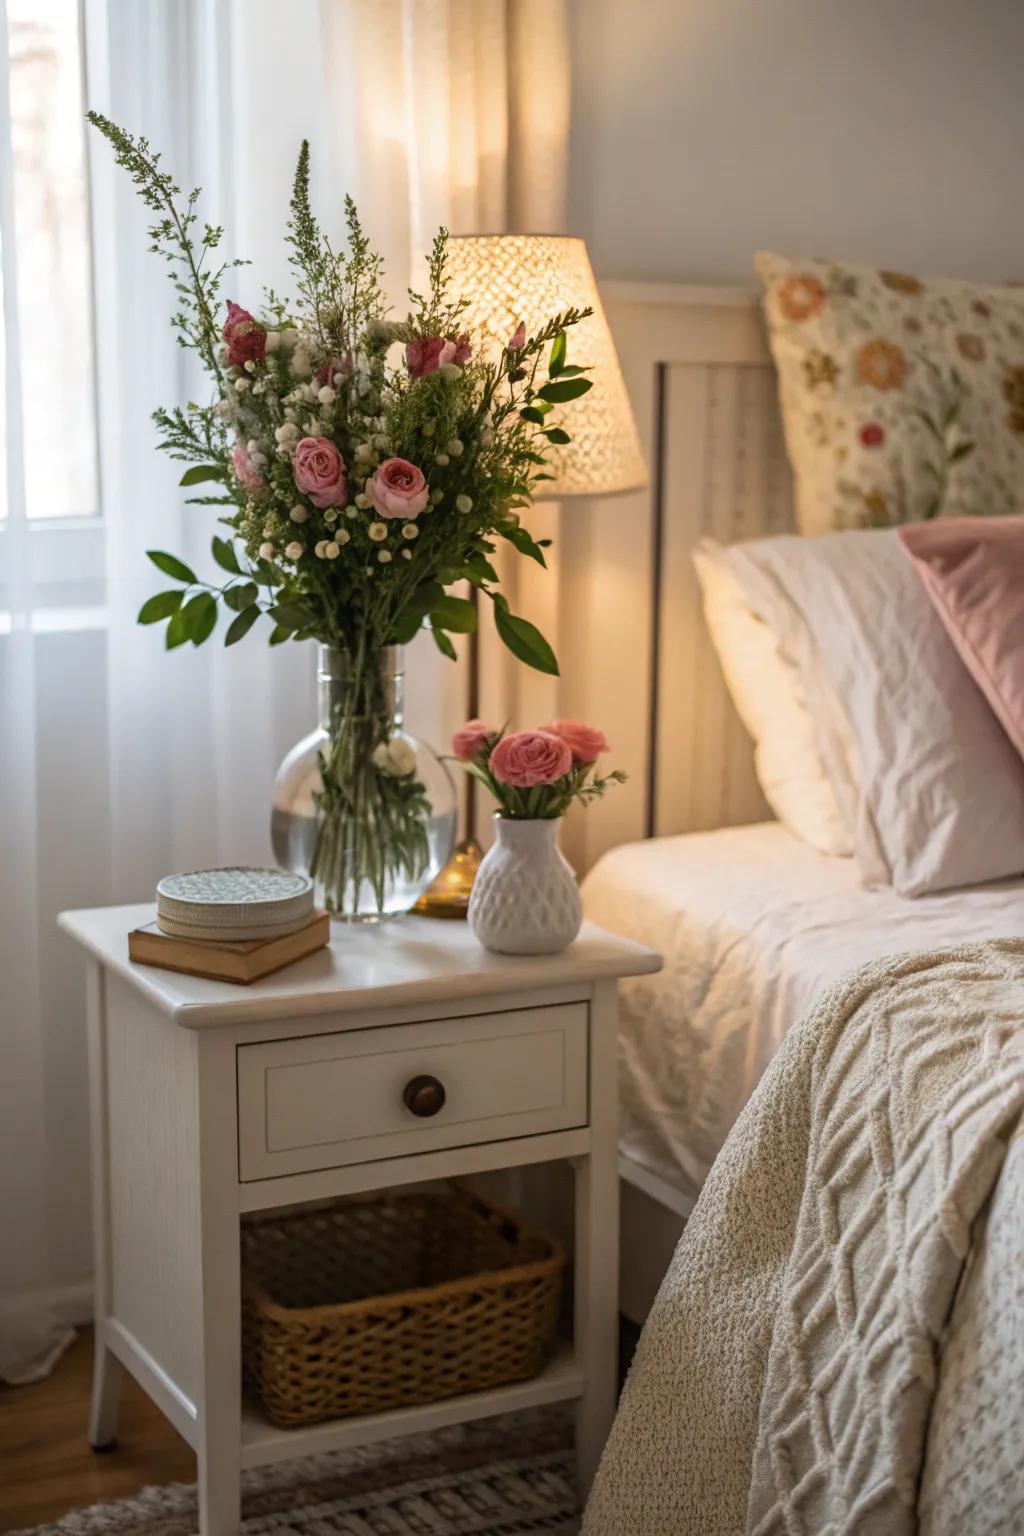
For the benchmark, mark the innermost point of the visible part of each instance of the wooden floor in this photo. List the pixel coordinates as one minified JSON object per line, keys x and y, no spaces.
{"x":46,"y":1466}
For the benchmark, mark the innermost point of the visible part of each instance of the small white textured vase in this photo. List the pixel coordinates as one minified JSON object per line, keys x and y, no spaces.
{"x":525,"y":898}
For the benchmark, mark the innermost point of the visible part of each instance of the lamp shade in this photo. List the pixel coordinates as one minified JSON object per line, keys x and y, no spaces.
{"x":509,"y":278}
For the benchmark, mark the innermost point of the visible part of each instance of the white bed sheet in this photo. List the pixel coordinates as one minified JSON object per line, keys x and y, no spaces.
{"x":753,"y":925}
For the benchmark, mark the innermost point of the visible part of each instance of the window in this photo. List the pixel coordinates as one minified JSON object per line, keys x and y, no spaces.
{"x":48,"y":444}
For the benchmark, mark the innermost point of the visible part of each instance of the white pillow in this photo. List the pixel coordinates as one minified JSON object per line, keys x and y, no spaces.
{"x":770,"y":700}
{"x":937,"y":789}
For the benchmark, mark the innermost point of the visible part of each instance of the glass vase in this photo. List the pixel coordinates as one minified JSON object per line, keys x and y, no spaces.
{"x":360,"y":805}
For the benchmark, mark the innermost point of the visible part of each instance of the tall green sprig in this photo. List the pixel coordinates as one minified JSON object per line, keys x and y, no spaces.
{"x":340,"y":291}
{"x":195,"y":283}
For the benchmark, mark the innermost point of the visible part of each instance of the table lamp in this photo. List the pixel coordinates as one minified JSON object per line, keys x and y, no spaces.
{"x":507,"y":279}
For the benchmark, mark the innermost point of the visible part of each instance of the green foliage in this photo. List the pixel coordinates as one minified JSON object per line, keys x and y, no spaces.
{"x":161,"y":606}
{"x":240,"y":625}
{"x":525,"y":641}
{"x":171,"y":566}
{"x":200,"y":472}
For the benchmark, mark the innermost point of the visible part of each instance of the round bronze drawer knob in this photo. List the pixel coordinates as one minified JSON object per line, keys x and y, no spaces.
{"x":424,"y":1096}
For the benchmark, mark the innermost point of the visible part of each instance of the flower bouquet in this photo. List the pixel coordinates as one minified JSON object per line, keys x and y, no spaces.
{"x":525,"y":900}
{"x":363,"y":466}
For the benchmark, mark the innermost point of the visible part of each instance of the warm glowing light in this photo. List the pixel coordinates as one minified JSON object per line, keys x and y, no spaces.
{"x":508,"y":278}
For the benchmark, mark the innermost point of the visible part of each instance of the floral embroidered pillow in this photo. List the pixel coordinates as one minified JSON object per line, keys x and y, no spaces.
{"x":902,"y":397}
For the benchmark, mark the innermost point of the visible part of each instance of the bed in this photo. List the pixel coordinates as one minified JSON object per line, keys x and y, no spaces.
{"x":753,"y":923}
{"x":753,"y":926}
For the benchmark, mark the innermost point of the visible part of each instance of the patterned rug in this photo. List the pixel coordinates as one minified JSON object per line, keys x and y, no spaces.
{"x":510,"y":1477}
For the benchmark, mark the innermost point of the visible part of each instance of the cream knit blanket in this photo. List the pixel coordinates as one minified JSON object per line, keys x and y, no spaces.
{"x":785,"y":1378}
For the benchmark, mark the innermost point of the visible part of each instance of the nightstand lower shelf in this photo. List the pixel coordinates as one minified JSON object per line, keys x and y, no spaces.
{"x":562,"y":1380}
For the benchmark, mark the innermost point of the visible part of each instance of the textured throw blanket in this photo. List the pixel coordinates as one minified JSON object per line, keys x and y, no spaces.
{"x":786,"y":1379}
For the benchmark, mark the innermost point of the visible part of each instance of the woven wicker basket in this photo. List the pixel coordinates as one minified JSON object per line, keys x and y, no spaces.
{"x":386,"y":1301}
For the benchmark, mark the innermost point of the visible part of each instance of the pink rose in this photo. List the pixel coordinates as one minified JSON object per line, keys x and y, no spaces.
{"x":247,"y":473}
{"x":320,"y":472}
{"x":585,"y":744}
{"x":527,"y":758}
{"x":517,"y":340}
{"x":470,"y":741}
{"x":425,"y":355}
{"x":398,"y":489}
{"x":246,"y":338}
{"x":332,"y":365}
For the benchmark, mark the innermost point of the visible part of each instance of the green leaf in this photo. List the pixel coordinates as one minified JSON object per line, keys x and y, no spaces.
{"x":525,"y":642}
{"x":171,"y":566}
{"x":556,"y":361}
{"x":278,"y":635}
{"x":556,"y":435}
{"x":531,"y":413}
{"x":224,"y":554}
{"x":558,"y":391}
{"x":443,"y":642}
{"x":241,"y":624}
{"x":199,"y":616}
{"x":268,"y":574}
{"x":455,"y":613}
{"x":406,"y":627}
{"x":177,"y":631}
{"x":242,"y":595}
{"x":410,"y":620}
{"x":477,"y":569}
{"x":525,"y":544}
{"x":160,"y":607}
{"x":573,"y":372}
{"x":291,"y":615}
{"x":200,"y":472}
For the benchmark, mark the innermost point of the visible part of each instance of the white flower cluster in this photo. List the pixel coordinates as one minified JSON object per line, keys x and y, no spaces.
{"x":395,"y":758}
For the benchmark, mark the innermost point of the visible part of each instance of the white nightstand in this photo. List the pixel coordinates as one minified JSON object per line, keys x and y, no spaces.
{"x":210,"y":1100}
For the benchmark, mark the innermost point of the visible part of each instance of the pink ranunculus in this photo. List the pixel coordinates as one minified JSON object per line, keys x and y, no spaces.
{"x":398,"y":489}
{"x":527,"y":758}
{"x":332,"y":365}
{"x":463,"y":351}
{"x":424,"y":355}
{"x":471,"y":739}
{"x":319,"y":471}
{"x":584,"y":742}
{"x":246,"y":338}
{"x":517,"y":340}
{"x":247,"y":473}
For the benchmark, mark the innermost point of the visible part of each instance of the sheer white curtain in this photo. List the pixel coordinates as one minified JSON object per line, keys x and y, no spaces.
{"x":119,"y":762}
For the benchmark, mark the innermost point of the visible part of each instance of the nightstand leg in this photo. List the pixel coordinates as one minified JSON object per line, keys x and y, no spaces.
{"x":107,"y":1376}
{"x":107,"y":1370}
{"x":596,"y":1299}
{"x":219,"y":1448}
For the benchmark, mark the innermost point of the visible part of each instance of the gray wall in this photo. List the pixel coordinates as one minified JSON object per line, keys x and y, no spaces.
{"x":877,"y":130}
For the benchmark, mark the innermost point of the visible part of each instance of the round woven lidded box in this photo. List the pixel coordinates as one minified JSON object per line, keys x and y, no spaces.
{"x":233,"y":904}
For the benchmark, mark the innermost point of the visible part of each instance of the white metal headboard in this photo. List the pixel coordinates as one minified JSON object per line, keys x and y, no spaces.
{"x":636,"y":654}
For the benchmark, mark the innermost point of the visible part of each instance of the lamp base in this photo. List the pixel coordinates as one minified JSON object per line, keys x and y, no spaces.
{"x":448,"y":893}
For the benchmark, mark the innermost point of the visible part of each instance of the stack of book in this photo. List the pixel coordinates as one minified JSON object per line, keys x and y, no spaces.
{"x":237,"y":924}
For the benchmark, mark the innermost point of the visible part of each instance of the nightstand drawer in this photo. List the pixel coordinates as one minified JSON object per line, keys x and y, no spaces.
{"x":327,"y":1100}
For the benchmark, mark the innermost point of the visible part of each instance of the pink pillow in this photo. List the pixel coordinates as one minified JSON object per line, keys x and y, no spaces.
{"x":973,"y":571}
